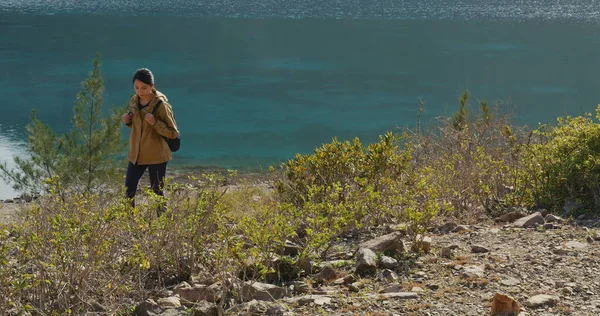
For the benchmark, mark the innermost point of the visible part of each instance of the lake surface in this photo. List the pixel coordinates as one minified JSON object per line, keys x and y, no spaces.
{"x":254,"y":82}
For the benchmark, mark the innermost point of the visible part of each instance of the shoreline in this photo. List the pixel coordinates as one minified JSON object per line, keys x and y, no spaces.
{"x":179,"y":173}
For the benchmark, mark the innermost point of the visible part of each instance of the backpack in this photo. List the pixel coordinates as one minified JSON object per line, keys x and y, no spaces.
{"x":173,"y":143}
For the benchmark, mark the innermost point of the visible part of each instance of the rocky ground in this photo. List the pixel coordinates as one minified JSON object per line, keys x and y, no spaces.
{"x":10,"y":209}
{"x":533,"y":265}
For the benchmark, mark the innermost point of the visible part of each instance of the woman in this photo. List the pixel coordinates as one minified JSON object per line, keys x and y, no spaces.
{"x":147,"y":148}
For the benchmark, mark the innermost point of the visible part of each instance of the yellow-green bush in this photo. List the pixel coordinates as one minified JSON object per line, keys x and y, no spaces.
{"x":564,"y":162}
{"x":344,"y":186}
{"x":74,"y":252}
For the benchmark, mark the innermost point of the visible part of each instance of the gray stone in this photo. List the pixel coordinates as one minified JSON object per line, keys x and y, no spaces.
{"x":326,"y":274}
{"x":308,"y":299}
{"x":549,"y":226}
{"x":553,"y":219}
{"x":479,"y":249}
{"x":472,"y":271}
{"x":398,"y":295}
{"x":567,"y":291}
{"x":276,"y":310}
{"x":198,"y":292}
{"x":433,"y":286}
{"x":172,"y":301}
{"x":256,"y":307}
{"x":575,"y":245}
{"x":262,"y":291}
{"x":366,"y":260}
{"x":387,"y":275}
{"x":27,"y":198}
{"x":301,"y":287}
{"x":182,"y":285}
{"x":171,"y":311}
{"x":561,"y":252}
{"x":512,"y":216}
{"x":541,"y":300}
{"x":392,"y":289}
{"x":204,"y":308}
{"x":417,"y":289}
{"x":510,"y":282}
{"x":389,"y":242}
{"x":532,"y":220}
{"x":354,"y":287}
{"x":388,"y":262}
{"x":345,"y":280}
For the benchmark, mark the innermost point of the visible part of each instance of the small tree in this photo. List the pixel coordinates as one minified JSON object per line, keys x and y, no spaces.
{"x":84,"y":158}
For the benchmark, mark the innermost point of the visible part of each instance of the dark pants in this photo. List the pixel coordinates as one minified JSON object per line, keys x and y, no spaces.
{"x":135,"y":172}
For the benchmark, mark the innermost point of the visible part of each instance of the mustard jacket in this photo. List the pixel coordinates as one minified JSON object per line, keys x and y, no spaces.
{"x":146,"y":145}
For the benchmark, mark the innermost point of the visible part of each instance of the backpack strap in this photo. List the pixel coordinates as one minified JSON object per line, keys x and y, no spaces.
{"x":156,"y":107}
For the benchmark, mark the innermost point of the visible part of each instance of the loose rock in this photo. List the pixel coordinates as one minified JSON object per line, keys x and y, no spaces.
{"x":532,"y":220}
{"x":504,"y":305}
{"x":262,"y":291}
{"x":479,"y":249}
{"x":388,"y":262}
{"x":472,"y":271}
{"x":172,"y":301}
{"x":366,"y":260}
{"x":541,"y":300}
{"x":326,"y":274}
{"x":390,"y":242}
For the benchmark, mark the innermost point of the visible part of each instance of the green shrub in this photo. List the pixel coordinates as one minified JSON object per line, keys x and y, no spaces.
{"x":565,"y":162}
{"x":76,"y":250}
{"x":344,"y":187}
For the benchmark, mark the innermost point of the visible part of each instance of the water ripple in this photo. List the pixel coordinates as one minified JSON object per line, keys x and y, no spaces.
{"x":509,"y":10}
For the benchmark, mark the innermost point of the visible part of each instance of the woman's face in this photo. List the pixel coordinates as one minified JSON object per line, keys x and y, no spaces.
{"x":142,"y":89}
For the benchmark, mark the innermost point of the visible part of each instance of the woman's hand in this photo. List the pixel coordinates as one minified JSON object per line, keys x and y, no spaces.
{"x":126,"y":118}
{"x":150,"y":119}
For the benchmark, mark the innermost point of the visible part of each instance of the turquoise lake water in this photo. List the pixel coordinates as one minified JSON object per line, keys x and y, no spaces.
{"x":254,"y":82}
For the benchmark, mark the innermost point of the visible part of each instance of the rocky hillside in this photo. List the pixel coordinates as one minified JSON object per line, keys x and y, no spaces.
{"x":537,"y":264}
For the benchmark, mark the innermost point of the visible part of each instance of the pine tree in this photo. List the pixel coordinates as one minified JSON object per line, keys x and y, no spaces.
{"x":461,"y":118}
{"x":83,"y":159}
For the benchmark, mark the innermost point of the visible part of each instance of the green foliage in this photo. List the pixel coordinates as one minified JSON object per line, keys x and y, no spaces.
{"x":266,"y":229}
{"x":83,"y":159}
{"x":344,"y":187}
{"x":461,"y":118}
{"x":564,"y":163}
{"x":77,"y":249}
{"x":94,"y":141}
